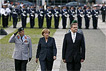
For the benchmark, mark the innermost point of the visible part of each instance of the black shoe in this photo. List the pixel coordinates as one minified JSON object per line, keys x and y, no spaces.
{"x":95,"y":28}
{"x":14,"y":27}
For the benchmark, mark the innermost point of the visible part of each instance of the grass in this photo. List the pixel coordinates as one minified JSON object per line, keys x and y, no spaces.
{"x":34,"y":33}
{"x":9,"y":23}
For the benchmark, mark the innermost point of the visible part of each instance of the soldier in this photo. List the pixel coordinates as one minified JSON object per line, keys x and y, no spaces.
{"x":5,"y":14}
{"x":79,"y":17}
{"x":56,"y":17}
{"x":87,"y":17}
{"x":15,"y":16}
{"x":103,"y":9}
{"x":40,"y":13}
{"x":95,"y":14}
{"x":49,"y":12}
{"x":71,"y":14}
{"x":64,"y":16}
{"x":32,"y":16}
{"x":23,"y":49}
{"x":19,"y":11}
{"x":23,"y":16}
{"x":0,"y":15}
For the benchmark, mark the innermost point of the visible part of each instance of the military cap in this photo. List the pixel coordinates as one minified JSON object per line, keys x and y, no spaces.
{"x":20,"y":29}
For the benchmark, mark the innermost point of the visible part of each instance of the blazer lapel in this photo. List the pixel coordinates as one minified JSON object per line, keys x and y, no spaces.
{"x":70,"y":37}
{"x":76,"y":37}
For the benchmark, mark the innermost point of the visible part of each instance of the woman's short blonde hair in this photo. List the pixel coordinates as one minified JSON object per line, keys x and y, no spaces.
{"x":45,"y":31}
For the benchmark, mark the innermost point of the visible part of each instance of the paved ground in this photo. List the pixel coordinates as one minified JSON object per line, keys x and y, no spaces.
{"x":6,"y":61}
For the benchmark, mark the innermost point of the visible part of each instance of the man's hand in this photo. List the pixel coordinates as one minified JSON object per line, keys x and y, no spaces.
{"x":30,"y":59}
{"x":36,"y":60}
{"x":54,"y":57}
{"x":64,"y":60}
{"x":82,"y":60}
{"x":16,"y":33}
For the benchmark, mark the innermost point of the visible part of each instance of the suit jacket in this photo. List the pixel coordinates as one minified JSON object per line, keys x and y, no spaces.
{"x":23,"y":49}
{"x":72,"y":50}
{"x":46,"y":50}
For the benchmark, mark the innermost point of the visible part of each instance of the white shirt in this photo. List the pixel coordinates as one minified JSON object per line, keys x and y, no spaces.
{"x":44,"y":7}
{"x":73,"y":36}
{"x":5,"y":10}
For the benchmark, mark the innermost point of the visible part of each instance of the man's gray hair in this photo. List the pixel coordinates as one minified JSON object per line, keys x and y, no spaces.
{"x":73,"y":24}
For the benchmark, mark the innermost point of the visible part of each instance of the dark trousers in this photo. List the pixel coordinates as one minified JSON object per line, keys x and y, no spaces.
{"x":24,"y":22}
{"x":73,"y":66}
{"x":32,"y":22}
{"x":79,"y":22}
{"x":20,"y":65}
{"x":10,"y":16}
{"x":14,"y":22}
{"x":103,"y":17}
{"x":64,"y":21}
{"x":87,"y":20}
{"x":46,"y":65}
{"x":95,"y":22}
{"x":19,"y":17}
{"x":5,"y":21}
{"x":40,"y":21}
{"x":56,"y":19}
{"x":71,"y":19}
{"x":48,"y":20}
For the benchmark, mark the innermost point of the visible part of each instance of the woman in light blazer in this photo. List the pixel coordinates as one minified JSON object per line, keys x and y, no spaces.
{"x":46,"y":51}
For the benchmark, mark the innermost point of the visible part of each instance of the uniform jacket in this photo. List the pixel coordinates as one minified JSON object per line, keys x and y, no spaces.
{"x":23,"y":49}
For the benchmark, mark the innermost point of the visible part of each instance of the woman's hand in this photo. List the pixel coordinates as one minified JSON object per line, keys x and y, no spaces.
{"x":54,"y":57}
{"x":64,"y":60}
{"x":36,"y":60}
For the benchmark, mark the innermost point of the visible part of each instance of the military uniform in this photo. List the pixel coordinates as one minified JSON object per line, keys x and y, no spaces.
{"x":22,"y":51}
{"x":95,"y":14}
{"x":103,"y":9}
{"x":87,"y":17}
{"x":5,"y":14}
{"x":64,"y":17}
{"x":15,"y":17}
{"x":32,"y":17}
{"x":23,"y":17}
{"x":56,"y":18}
{"x":79,"y":17}
{"x":49,"y":17}
{"x":40,"y":13}
{"x":71,"y":15}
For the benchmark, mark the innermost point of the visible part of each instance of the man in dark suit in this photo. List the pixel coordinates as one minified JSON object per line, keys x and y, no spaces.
{"x":73,"y":52}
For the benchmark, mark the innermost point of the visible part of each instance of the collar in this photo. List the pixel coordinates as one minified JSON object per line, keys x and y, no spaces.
{"x":72,"y":32}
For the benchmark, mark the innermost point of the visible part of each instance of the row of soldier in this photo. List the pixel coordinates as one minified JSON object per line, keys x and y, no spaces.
{"x":73,"y":12}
